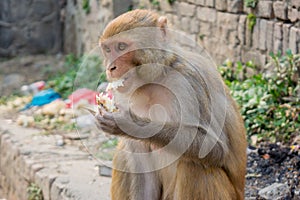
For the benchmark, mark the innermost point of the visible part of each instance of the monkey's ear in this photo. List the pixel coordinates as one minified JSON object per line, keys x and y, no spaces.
{"x":162,"y":24}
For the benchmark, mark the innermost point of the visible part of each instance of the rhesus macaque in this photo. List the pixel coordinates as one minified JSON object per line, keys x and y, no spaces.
{"x":181,"y":134}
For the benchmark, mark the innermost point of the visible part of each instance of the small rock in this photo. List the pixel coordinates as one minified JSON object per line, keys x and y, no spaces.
{"x":251,"y":149}
{"x":105,"y":171}
{"x":60,"y":142}
{"x":274,"y":191}
{"x":254,"y":140}
{"x":26,"y":121}
{"x":64,"y":180}
{"x":266,"y":156}
{"x":53,"y":108}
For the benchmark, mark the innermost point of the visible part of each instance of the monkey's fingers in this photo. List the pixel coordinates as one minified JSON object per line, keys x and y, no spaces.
{"x":101,"y":109}
{"x":108,"y":121}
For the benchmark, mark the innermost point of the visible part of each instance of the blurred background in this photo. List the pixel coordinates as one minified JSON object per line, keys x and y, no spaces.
{"x":238,"y":30}
{"x":52,"y":46}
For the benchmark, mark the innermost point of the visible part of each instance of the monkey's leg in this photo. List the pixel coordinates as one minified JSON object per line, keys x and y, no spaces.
{"x":194,"y":181}
{"x":128,"y":185}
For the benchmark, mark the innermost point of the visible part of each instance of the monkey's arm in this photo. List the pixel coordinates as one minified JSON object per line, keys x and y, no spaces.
{"x":183,"y":138}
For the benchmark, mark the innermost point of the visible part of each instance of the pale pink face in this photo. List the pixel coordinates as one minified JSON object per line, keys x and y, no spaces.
{"x":118,"y":58}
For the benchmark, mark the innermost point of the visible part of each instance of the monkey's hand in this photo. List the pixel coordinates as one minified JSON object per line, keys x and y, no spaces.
{"x":110,"y":122}
{"x":106,"y":121}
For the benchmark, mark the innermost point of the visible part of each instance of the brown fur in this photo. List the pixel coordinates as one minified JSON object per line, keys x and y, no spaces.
{"x":220,"y":174}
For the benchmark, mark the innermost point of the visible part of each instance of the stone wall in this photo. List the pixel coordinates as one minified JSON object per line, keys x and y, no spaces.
{"x":26,"y":157}
{"x":53,"y":26}
{"x":29,"y":27}
{"x":82,"y":28}
{"x":221,"y":26}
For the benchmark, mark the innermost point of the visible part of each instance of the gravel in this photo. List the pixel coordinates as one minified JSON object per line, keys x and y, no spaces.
{"x":273,"y":163}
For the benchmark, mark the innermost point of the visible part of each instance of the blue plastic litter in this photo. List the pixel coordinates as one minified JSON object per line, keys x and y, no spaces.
{"x":42,"y":98}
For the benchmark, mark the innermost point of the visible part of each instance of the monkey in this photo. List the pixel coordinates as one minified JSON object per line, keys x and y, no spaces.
{"x":181,"y":133}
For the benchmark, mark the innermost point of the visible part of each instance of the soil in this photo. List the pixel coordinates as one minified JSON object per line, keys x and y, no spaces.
{"x":273,"y":163}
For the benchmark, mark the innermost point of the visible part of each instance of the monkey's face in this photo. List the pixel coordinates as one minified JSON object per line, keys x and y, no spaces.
{"x":118,"y":58}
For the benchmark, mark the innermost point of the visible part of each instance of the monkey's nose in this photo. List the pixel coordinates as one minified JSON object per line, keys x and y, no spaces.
{"x":112,"y":68}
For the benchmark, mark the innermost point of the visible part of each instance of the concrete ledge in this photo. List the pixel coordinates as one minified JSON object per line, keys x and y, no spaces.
{"x":61,"y":172}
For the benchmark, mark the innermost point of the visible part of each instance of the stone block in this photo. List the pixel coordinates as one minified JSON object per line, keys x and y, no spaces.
{"x":264,"y":9}
{"x":165,"y":6}
{"x":205,"y":29}
{"x":194,"y":26}
{"x":286,"y":36}
{"x":21,"y":19}
{"x":186,"y":9}
{"x":255,"y":35}
{"x":275,"y":191}
{"x":210,"y":3}
{"x":185,"y":23}
{"x":7,"y":37}
{"x":278,"y":30}
{"x":221,"y":5}
{"x":280,"y":10}
{"x":293,"y":13}
{"x":206,"y":14}
{"x":242,"y":28}
{"x":45,"y":180}
{"x":228,"y":21}
{"x":269,"y":35}
{"x":18,"y":10}
{"x":199,"y":2}
{"x":41,"y":9}
{"x":248,"y":37}
{"x":176,"y":21}
{"x":295,"y":3}
{"x":227,"y":28}
{"x":170,"y":18}
{"x":234,"y":6}
{"x":294,"y":40}
{"x":255,"y":56}
{"x":262,"y":40}
{"x":277,"y":45}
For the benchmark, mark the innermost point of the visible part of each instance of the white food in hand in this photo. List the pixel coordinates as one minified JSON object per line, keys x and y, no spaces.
{"x":107,"y":100}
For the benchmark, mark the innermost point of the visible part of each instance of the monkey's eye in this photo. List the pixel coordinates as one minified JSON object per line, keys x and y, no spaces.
{"x":106,"y":49}
{"x":122,"y":46}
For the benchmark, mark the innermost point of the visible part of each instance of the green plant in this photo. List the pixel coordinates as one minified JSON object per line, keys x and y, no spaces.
{"x":34,"y":192}
{"x":171,"y":2}
{"x":251,"y":3}
{"x":3,"y":100}
{"x":251,"y":21}
{"x":269,"y":102}
{"x":83,"y":72}
{"x":130,"y":7}
{"x":155,"y":4}
{"x":86,"y":6}
{"x":202,"y":36}
{"x":63,"y":82}
{"x":112,"y":143}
